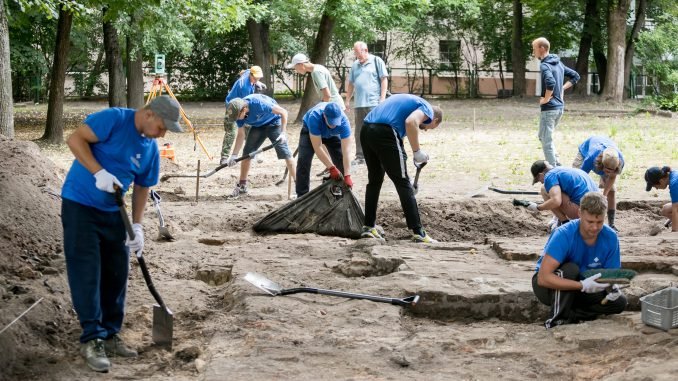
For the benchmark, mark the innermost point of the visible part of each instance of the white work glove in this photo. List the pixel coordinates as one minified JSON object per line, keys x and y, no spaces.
{"x":532,"y":207}
{"x":260,"y":87}
{"x":137,"y":244}
{"x":105,"y":182}
{"x":282,"y":139}
{"x":420,"y":157}
{"x":590,"y":286}
{"x":229,"y":162}
{"x":615,"y":294}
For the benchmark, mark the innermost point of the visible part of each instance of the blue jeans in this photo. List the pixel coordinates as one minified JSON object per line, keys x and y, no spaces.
{"x":97,"y":263}
{"x":258,"y":135}
{"x":548,"y":121}
{"x":306,"y":153}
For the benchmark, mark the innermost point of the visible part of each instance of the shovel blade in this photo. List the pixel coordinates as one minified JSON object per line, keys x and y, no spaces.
{"x":261,"y":282}
{"x":163,"y":327}
{"x":478,"y":191}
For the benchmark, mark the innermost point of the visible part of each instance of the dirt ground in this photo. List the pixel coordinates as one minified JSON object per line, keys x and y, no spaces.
{"x":477,"y":318}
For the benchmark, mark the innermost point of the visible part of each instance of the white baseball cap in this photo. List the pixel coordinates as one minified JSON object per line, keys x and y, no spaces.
{"x":297,"y":59}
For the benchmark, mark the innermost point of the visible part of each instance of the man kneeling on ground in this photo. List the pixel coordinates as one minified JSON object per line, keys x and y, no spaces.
{"x":580,"y":245}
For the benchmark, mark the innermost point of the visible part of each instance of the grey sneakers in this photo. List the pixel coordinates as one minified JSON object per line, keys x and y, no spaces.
{"x":239,"y":190}
{"x":95,"y":355}
{"x":116,"y":347}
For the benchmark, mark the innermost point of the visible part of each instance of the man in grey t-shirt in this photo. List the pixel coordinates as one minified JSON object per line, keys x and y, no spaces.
{"x":369,"y":79}
{"x":322,"y":79}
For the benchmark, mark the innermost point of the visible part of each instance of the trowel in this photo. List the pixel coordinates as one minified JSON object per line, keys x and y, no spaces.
{"x":164,"y":231}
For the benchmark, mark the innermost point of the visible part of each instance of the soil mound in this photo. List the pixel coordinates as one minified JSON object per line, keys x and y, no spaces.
{"x":31,"y":260}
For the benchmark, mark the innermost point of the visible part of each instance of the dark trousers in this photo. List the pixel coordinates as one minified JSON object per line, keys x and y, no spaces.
{"x":574,"y":306}
{"x":97,"y":262}
{"x":305,"y":159}
{"x":359,"y":113}
{"x":384,"y":153}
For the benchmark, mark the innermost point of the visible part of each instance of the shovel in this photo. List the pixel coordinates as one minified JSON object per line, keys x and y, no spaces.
{"x":415,"y":185}
{"x":484,"y":188}
{"x":164,"y":232}
{"x":274,"y":289}
{"x":163,"y":321}
{"x":251,"y":155}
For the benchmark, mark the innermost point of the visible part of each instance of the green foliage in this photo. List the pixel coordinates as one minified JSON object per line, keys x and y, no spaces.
{"x":666,"y":102}
{"x":657,"y":49}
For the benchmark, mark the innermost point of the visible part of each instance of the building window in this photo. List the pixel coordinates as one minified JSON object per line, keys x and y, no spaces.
{"x":378,"y":48}
{"x":450,"y":53}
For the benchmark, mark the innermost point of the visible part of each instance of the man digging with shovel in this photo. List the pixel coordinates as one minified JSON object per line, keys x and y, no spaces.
{"x":112,"y":149}
{"x":268,"y":120}
{"x":382,"y":141}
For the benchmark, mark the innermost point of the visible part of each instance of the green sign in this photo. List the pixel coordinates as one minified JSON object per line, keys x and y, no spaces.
{"x":159,"y":64}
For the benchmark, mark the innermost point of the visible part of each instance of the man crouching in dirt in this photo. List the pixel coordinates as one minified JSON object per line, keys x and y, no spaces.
{"x":327,"y":133}
{"x":580,"y":245}
{"x":562,"y":191}
{"x":382,"y":140}
{"x":113,"y":148}
{"x":268,"y":120}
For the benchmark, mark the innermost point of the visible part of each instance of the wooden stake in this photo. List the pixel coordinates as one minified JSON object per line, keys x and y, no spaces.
{"x":197,"y":182}
{"x":289,"y":187}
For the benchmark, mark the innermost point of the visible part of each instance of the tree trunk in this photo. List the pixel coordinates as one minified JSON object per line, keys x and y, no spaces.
{"x":616,"y":48}
{"x":517,"y":50}
{"x":321,"y":47}
{"x":582,"y":65}
{"x":598,"y":46}
{"x":116,"y":76}
{"x":93,"y":77}
{"x":54,"y":130}
{"x":258,"y":35}
{"x":6,"y":102}
{"x":641,"y":11}
{"x":135,"y":74}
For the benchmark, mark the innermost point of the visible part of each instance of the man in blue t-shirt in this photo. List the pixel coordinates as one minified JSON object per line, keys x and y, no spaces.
{"x":327,"y":133}
{"x":267,"y":120}
{"x":600,"y":155}
{"x":248,"y":83}
{"x":583,"y":244}
{"x":113,"y":149}
{"x":382,"y":140}
{"x":369,"y":78}
{"x":562,"y":190}
{"x":661,"y":178}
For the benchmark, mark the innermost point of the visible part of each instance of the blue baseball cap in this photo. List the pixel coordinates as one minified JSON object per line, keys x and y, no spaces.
{"x":333,"y":114}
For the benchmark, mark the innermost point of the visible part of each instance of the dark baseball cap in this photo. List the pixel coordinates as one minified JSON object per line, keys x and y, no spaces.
{"x":538,"y":167}
{"x":652,"y":177}
{"x":234,"y":107}
{"x":333,"y":114}
{"x":168,"y":110}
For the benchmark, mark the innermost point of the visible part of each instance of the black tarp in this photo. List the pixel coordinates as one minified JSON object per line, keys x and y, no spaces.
{"x":330,"y":209}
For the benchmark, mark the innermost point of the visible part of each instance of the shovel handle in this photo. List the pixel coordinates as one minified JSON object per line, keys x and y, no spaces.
{"x":139,"y":255}
{"x":410,"y":301}
{"x":415,"y":185}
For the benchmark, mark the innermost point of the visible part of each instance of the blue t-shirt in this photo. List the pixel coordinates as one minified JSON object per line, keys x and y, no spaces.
{"x":572,"y":181}
{"x":591,"y":148}
{"x":366,"y":80}
{"x":394,"y":110}
{"x":242,"y":87}
{"x":673,"y":186}
{"x":315,"y":122}
{"x":567,"y":245}
{"x":260,"y":111}
{"x":122,"y":151}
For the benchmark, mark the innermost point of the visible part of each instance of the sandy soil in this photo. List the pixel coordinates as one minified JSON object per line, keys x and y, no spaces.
{"x":477,"y":318}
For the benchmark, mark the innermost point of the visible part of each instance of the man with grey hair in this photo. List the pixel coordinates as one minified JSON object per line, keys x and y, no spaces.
{"x":322,"y":79}
{"x":552,"y":100}
{"x":583,"y":244}
{"x":368,"y":80}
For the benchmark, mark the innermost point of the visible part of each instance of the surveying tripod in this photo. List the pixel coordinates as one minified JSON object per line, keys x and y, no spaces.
{"x":158,"y":86}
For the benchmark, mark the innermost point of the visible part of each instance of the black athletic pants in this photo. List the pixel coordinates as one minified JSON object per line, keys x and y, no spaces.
{"x":574,"y":306}
{"x":305,"y":159}
{"x":384,"y":153}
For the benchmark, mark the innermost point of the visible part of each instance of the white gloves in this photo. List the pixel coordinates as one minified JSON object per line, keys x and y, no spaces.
{"x":615,"y":294}
{"x":532,"y":207}
{"x":229,"y":162}
{"x":420,"y":157}
{"x":590,"y":286}
{"x":137,"y":244}
{"x":260,"y":87}
{"x":282,"y":139}
{"x":104,"y":181}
